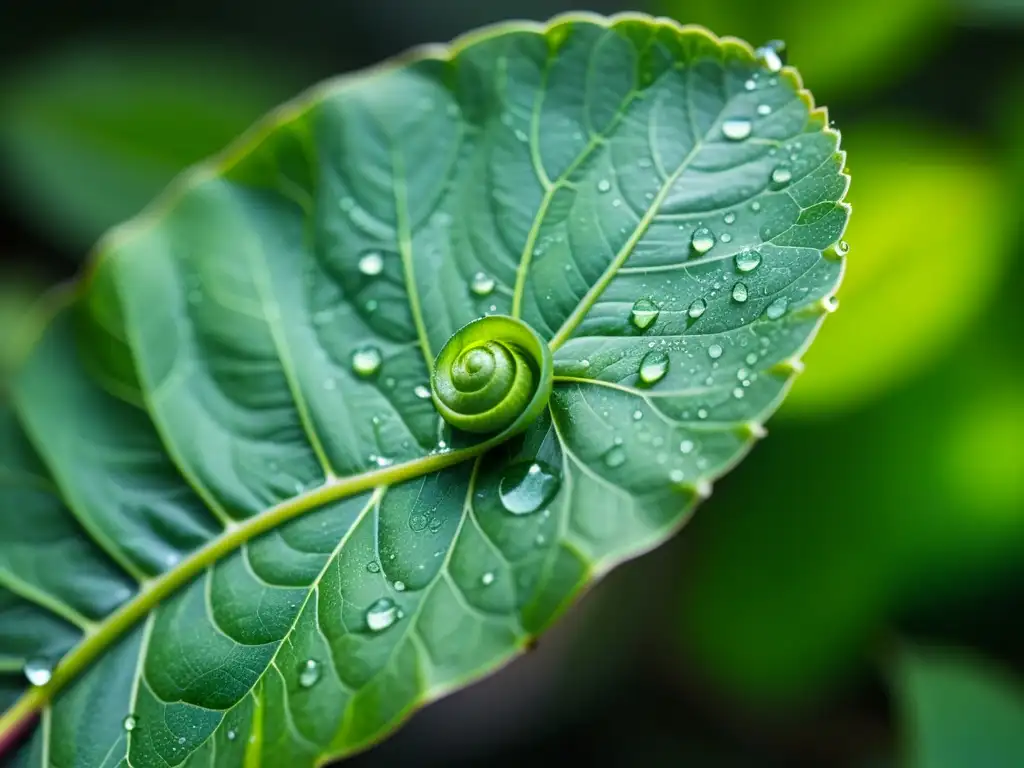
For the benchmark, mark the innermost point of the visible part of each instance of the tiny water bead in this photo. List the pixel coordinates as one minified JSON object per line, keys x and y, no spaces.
{"x":38,"y":671}
{"x":764,"y":110}
{"x":748,"y":261}
{"x":843,"y":247}
{"x":373,"y":566}
{"x":653,"y":367}
{"x":715,"y":351}
{"x":777,"y":308}
{"x":730,"y":218}
{"x":736,"y":128}
{"x":366,"y":361}
{"x":526,"y":487}
{"x":422,"y":392}
{"x":309,"y":673}
{"x":739,"y":292}
{"x":232,"y":734}
{"x":615,"y":456}
{"x":371,"y":264}
{"x":697,"y":308}
{"x":129,"y":723}
{"x":782,"y":175}
{"x":750,"y":85}
{"x":772,"y":55}
{"x":382,"y":614}
{"x":482,"y":284}
{"x":604,"y":185}
{"x":686,"y":446}
{"x":676,"y":476}
{"x":644,"y":313}
{"x":487,"y":579}
{"x":703,"y":240}
{"x":399,"y":586}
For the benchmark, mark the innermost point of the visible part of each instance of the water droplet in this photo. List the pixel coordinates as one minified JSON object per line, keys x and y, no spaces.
{"x":748,"y":261}
{"x":373,"y":566}
{"x":638,"y":414}
{"x":715,"y":351}
{"x":702,"y":413}
{"x":777,"y":308}
{"x":736,"y":128}
{"x":487,"y":579}
{"x":697,"y":308}
{"x":604,"y":185}
{"x":422,"y":392}
{"x":843,"y":247}
{"x":750,"y":85}
{"x":371,"y":264}
{"x":755,"y":206}
{"x":366,"y":361}
{"x":521,"y":134}
{"x":615,"y":456}
{"x":232,"y":734}
{"x":417,"y":523}
{"x":751,"y":358}
{"x":527,"y":486}
{"x":482,"y":284}
{"x":129,"y":723}
{"x":738,"y":393}
{"x":703,"y":240}
{"x":399,"y":586}
{"x":772,"y":55}
{"x":764,"y":109}
{"x":730,"y":218}
{"x":381,"y":615}
{"x":739,"y":292}
{"x":726,"y":238}
{"x":782,"y":175}
{"x":676,"y":475}
{"x":686,"y":446}
{"x":644,"y":313}
{"x":181,"y":739}
{"x":38,"y":671}
{"x":309,"y":673}
{"x":653,"y":367}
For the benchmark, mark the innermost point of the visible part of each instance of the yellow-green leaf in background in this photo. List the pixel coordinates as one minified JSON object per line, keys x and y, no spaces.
{"x":931,"y":234}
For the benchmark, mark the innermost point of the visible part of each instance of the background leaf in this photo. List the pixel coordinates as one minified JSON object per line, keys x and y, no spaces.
{"x":91,"y":133}
{"x":957,"y":711}
{"x":660,"y":206}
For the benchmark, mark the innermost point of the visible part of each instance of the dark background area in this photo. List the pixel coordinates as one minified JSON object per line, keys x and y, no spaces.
{"x":794,"y":621}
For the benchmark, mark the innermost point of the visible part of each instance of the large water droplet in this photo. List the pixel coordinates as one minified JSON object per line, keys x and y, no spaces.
{"x":703,"y":240}
{"x":615,"y":456}
{"x":38,"y":671}
{"x":482,"y":284}
{"x":777,"y":308}
{"x":129,"y":723}
{"x":772,"y":54}
{"x":748,"y":261}
{"x":309,"y":673}
{"x":644,"y":313}
{"x":736,"y":128}
{"x":739,"y":292}
{"x":697,"y":308}
{"x":653,"y":367}
{"x":527,"y":486}
{"x":366,"y":361}
{"x":715,"y":351}
{"x":782,"y":175}
{"x":381,"y":615}
{"x":371,"y":264}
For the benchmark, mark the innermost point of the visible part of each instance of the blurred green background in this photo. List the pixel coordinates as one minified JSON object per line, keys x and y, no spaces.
{"x":853,"y":594}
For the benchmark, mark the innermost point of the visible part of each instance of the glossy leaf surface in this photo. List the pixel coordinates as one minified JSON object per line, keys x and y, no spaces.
{"x":233,"y":444}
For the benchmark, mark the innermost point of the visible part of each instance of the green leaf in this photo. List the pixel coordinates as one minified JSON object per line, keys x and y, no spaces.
{"x":91,"y":133}
{"x":958,"y":712}
{"x":242,"y":456}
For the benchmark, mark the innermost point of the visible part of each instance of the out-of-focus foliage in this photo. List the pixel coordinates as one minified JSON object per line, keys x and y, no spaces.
{"x":831,"y":529}
{"x":928,"y":238}
{"x":91,"y":134}
{"x":958,"y":712}
{"x":840,"y":47}
{"x":19,"y":290}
